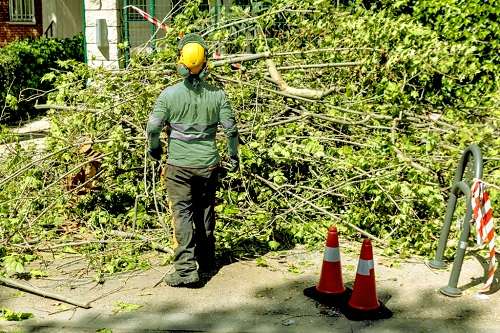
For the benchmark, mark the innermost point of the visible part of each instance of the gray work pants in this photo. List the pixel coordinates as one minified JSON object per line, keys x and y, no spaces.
{"x":191,"y":192}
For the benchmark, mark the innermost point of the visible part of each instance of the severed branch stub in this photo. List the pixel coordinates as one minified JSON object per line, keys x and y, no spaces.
{"x":301,"y":92}
{"x":35,"y":291}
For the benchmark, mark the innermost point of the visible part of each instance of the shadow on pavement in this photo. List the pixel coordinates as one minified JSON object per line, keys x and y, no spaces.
{"x":495,"y":286}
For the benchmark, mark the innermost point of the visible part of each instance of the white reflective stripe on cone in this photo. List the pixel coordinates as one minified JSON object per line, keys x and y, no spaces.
{"x":364,"y":267}
{"x":332,"y":254}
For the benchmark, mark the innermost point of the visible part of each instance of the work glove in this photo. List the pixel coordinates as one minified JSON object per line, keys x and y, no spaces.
{"x":155,"y":153}
{"x":234,"y":164}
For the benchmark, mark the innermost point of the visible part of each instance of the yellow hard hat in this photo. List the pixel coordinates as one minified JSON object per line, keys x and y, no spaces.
{"x":193,"y":57}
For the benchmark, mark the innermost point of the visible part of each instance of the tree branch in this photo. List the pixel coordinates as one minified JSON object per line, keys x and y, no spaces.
{"x":35,"y":291}
{"x":301,"y":92}
{"x":322,"y":210}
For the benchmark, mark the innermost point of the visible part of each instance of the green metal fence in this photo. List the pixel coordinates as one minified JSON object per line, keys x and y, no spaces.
{"x":140,"y":34}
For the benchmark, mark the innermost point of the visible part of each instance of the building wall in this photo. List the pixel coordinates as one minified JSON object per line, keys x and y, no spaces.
{"x":103,"y":9}
{"x":66,"y":15}
{"x":11,"y":31}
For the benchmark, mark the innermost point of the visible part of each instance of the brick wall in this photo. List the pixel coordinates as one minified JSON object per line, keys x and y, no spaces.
{"x":11,"y":31}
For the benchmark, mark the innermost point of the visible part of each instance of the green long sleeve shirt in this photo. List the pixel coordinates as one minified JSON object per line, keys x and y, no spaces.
{"x":192,"y":112}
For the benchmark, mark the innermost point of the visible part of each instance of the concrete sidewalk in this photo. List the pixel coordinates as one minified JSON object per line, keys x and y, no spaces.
{"x":244,"y":297}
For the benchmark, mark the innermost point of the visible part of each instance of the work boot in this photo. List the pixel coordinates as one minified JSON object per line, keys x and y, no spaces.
{"x":207,"y":271}
{"x":207,"y":274}
{"x":177,"y":280}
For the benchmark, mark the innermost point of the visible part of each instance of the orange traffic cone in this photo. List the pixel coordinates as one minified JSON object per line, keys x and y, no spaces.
{"x":364,"y":295}
{"x":330,"y":281}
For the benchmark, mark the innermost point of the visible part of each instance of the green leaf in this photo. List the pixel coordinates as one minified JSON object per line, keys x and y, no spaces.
{"x":49,"y":77}
{"x":104,"y":330}
{"x":261,"y":262}
{"x":125,"y":307}
{"x":35,"y":273}
{"x":273,"y":245}
{"x":10,"y":315}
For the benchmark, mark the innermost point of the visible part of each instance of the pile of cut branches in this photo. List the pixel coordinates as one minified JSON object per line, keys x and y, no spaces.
{"x":353,"y":118}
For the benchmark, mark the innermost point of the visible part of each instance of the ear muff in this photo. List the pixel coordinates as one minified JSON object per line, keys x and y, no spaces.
{"x":204,"y":72}
{"x":183,"y":70}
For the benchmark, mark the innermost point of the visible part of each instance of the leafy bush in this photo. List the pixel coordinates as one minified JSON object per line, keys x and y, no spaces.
{"x":472,"y":23}
{"x":23,"y":64}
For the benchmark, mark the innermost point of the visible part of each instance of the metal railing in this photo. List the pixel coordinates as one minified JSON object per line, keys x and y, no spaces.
{"x":459,"y":187}
{"x":49,"y":32}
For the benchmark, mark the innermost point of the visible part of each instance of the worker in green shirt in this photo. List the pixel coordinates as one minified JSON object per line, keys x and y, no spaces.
{"x":191,"y":111}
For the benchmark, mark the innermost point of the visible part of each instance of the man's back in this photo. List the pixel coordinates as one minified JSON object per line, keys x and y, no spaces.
{"x":192,"y":113}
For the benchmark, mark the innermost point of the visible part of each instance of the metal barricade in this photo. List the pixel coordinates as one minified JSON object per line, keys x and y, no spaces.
{"x":459,"y":187}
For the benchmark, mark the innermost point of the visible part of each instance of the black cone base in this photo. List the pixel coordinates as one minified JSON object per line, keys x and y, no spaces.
{"x":357,"y":315}
{"x":340,"y":303}
{"x":336,"y":300}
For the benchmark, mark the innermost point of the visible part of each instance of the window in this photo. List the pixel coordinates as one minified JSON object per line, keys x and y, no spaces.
{"x":132,"y":14}
{"x":22,"y":11}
